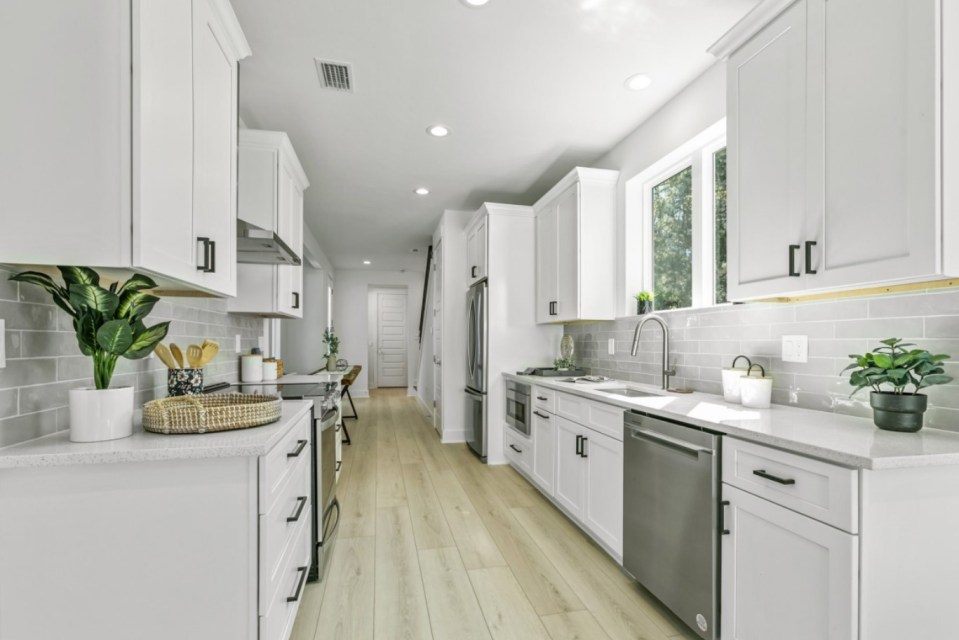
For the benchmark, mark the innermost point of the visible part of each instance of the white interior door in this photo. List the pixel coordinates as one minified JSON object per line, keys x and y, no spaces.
{"x":391,"y":339}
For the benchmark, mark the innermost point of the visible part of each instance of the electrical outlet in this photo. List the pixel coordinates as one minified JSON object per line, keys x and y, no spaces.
{"x":795,"y":348}
{"x":3,"y":344}
{"x":612,"y":346}
{"x":237,"y":345}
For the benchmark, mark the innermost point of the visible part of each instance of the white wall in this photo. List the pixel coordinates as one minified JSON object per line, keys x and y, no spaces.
{"x":701,"y":104}
{"x":351,"y":315}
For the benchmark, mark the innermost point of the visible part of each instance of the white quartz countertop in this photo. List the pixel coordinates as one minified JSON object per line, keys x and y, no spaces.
{"x":56,"y":449}
{"x":846,"y":440}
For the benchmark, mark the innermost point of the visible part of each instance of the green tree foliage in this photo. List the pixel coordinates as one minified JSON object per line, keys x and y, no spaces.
{"x":673,"y":240}
{"x":719,"y":207}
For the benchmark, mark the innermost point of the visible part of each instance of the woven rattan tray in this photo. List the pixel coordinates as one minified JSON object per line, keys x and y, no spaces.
{"x":205,"y":414}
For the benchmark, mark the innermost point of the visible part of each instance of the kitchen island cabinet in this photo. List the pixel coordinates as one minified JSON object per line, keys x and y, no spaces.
{"x":137,"y":129}
{"x":157,"y":537}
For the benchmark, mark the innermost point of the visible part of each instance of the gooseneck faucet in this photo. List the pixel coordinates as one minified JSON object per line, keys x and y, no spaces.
{"x":639,"y":329}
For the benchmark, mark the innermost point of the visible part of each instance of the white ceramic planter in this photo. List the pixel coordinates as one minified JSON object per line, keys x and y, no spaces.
{"x":731,"y":383}
{"x":756,"y":392}
{"x":100,"y":414}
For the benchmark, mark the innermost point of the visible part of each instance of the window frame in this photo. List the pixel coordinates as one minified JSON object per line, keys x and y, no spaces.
{"x":697,"y":154}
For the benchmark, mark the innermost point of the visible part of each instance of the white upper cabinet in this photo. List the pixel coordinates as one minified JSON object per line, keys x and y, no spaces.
{"x":576,"y":248}
{"x":477,"y":251}
{"x":124,"y":156}
{"x":838,"y":159}
{"x":271,"y":185}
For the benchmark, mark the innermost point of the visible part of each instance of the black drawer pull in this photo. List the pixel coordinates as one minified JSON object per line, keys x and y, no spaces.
{"x":299,"y":449}
{"x":768,"y":476}
{"x":301,"y":503}
{"x":537,"y":413}
{"x":299,"y":587}
{"x":542,"y":398}
{"x":513,"y":447}
{"x":793,"y":248}
{"x":472,"y":272}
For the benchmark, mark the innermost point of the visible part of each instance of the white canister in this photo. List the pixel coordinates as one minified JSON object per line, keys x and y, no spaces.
{"x":756,"y":391}
{"x":100,"y":414}
{"x":731,"y":379}
{"x":251,"y":368}
{"x":269,"y":370}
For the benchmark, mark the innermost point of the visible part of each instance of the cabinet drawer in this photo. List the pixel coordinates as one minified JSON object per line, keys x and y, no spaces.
{"x":519,"y":451}
{"x":544,"y":399}
{"x":281,"y":460}
{"x":276,"y":623}
{"x":279,"y":526}
{"x":601,"y":417}
{"x":820,"y":490}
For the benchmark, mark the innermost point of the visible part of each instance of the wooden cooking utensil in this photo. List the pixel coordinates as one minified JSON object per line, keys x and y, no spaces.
{"x":163,"y":353}
{"x":209,"y":349}
{"x":175,"y":350}
{"x":194,"y":356}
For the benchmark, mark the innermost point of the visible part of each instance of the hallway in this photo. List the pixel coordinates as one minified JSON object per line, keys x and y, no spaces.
{"x":433,"y":544}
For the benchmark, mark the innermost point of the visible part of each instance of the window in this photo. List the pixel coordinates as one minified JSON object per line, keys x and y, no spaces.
{"x":676,"y":217}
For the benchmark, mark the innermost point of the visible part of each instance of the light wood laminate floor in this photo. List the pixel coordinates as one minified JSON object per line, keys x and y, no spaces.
{"x":434,"y":544}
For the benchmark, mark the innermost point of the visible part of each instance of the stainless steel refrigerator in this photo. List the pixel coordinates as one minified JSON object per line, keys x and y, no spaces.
{"x":476,"y":358}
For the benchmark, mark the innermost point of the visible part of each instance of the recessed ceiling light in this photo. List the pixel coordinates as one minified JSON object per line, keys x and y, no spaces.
{"x":422,"y":191}
{"x":438,"y":131}
{"x":366,"y":262}
{"x":474,"y":4}
{"x":638,"y":82}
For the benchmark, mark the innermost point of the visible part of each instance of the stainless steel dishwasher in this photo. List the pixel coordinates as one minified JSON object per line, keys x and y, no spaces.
{"x":670,"y":516}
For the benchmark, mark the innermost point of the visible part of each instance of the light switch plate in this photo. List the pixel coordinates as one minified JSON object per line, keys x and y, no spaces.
{"x":612,"y":346}
{"x":795,"y":348}
{"x":237,"y":344}
{"x":3,"y":343}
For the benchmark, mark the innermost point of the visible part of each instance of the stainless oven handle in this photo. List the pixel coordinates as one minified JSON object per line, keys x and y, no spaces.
{"x":643,"y":434}
{"x":475,"y":394}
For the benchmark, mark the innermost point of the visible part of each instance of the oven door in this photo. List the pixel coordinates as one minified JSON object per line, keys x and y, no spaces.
{"x":518,"y":410}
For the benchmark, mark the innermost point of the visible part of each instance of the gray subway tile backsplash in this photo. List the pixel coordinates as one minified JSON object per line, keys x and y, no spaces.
{"x":44,"y":362}
{"x":702,"y":341}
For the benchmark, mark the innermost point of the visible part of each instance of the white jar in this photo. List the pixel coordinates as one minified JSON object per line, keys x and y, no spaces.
{"x":251,"y":368}
{"x":269,"y":370}
{"x":756,"y":391}
{"x":731,"y":380}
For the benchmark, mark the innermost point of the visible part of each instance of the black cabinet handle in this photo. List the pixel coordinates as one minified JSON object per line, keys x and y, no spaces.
{"x":296,"y":300}
{"x":299,"y":449}
{"x":537,"y":413}
{"x":513,"y":447}
{"x":579,"y":445}
{"x":542,"y":398}
{"x":212,"y":257}
{"x":208,"y":265}
{"x":299,"y":587}
{"x":339,"y":463}
{"x":793,"y":248}
{"x":722,"y":518}
{"x":472,"y":272}
{"x":768,"y":476}
{"x":583,"y":451}
{"x":552,"y":308}
{"x":301,"y":502}
{"x":809,"y":245}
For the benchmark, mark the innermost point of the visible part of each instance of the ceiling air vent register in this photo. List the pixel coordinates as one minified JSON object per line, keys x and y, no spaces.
{"x":335,"y":75}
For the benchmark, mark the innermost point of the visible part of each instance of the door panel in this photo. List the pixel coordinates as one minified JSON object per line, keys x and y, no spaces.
{"x":570,"y":468}
{"x":767,"y":138}
{"x":604,"y":489}
{"x":546,"y":261}
{"x":391,"y":340}
{"x":567,"y":254}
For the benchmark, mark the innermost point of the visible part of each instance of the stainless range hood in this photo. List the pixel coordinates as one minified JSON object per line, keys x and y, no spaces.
{"x":262,"y":246}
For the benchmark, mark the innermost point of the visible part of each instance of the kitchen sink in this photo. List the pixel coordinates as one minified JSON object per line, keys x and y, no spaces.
{"x":629,"y":393}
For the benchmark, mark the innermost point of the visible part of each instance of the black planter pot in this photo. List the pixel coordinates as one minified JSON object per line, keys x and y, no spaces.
{"x":643,"y":307}
{"x":898,"y":411}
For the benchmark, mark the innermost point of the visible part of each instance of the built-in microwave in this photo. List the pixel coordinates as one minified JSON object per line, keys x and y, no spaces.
{"x":518,"y":406}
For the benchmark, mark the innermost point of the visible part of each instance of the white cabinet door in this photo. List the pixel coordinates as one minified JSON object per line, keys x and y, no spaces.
{"x":881,"y":208}
{"x":544,"y":451}
{"x":784,"y":575}
{"x":603,"y":514}
{"x":570,"y":467}
{"x":214,"y":150}
{"x":567,"y":255}
{"x":476,"y":253}
{"x":482,"y":252}
{"x":767,"y":173}
{"x":546,"y":263}
{"x":290,"y":229}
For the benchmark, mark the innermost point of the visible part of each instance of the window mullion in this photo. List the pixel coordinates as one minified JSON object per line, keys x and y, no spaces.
{"x":699,"y":287}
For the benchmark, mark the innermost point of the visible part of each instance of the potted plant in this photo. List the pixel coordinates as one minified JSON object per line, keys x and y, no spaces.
{"x":564,"y":364}
{"x":332,"y":342}
{"x":109,"y":324}
{"x":644,"y":302}
{"x":889,"y":370}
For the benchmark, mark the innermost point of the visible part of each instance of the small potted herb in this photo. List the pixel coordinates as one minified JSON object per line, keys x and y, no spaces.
{"x":332,"y":342}
{"x":109,"y":324}
{"x":564,"y":364}
{"x":644,"y":302}
{"x":889,"y":371}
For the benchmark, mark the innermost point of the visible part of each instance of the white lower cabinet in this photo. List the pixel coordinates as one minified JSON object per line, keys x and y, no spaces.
{"x":544,"y":451}
{"x":785,"y":575}
{"x":570,"y":470}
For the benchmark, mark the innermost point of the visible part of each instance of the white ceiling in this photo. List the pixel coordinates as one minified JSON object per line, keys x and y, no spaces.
{"x":529,"y":89}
